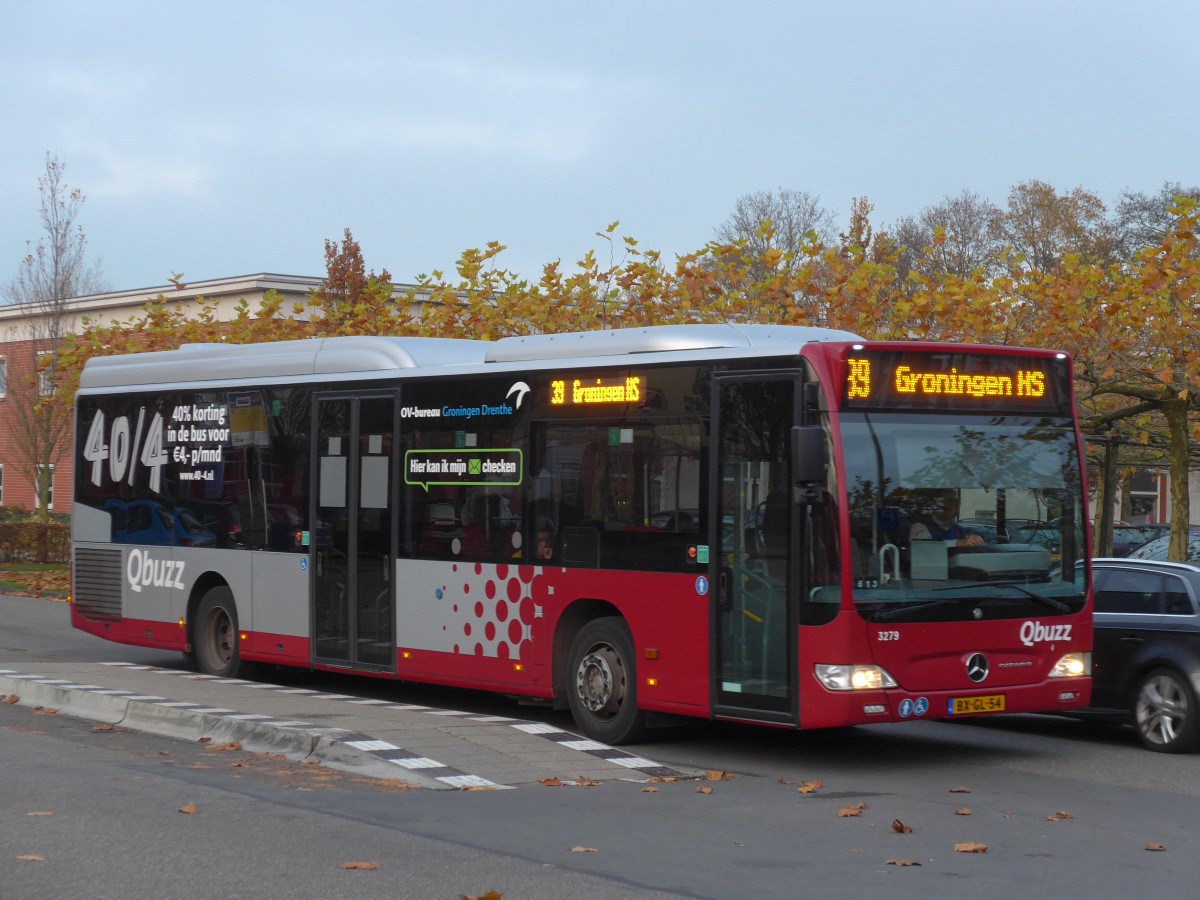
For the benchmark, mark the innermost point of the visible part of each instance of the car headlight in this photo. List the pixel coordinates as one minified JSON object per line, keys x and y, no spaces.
{"x":1072,"y":665}
{"x":854,"y":678}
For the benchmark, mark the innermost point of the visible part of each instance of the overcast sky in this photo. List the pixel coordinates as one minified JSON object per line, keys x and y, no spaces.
{"x":217,"y":139}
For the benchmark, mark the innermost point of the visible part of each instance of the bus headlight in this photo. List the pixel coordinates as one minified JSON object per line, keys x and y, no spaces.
{"x":1072,"y":665}
{"x":854,"y":678}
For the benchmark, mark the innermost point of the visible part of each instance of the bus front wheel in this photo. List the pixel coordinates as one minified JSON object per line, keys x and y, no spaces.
{"x":215,"y":635}
{"x":602,"y":689}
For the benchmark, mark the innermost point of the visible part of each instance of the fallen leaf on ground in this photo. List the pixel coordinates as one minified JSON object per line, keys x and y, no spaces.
{"x":960,"y":790}
{"x":855,"y":810}
{"x":703,"y":790}
{"x":900,"y":828}
{"x":204,"y":740}
{"x":361,"y":864}
{"x":583,"y":849}
{"x":32,"y":857}
{"x":719,"y":775}
{"x":809,"y":787}
{"x":1156,"y":847}
{"x":11,"y":698}
{"x":490,"y":895}
{"x":971,"y":847}
{"x":478,"y":787}
{"x":550,"y":782}
{"x":962,"y":811}
{"x":1059,"y":815}
{"x":103,"y":728}
{"x":44,"y":711}
{"x":901,"y":862}
{"x":584,"y":781}
{"x":227,"y":746}
{"x":39,"y":813}
{"x":783,"y":780}
{"x":649,"y":790}
{"x":190,"y":809}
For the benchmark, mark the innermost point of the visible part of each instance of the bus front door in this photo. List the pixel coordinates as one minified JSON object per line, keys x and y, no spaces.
{"x":353,"y":531}
{"x":753,"y":574}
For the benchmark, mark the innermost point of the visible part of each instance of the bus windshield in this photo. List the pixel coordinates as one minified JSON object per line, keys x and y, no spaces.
{"x":956,"y":517}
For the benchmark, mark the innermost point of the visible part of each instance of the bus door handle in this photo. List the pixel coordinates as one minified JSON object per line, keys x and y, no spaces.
{"x":724,"y":597}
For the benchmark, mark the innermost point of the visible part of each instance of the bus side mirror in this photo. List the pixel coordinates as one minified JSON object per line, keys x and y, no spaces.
{"x":808,"y":463}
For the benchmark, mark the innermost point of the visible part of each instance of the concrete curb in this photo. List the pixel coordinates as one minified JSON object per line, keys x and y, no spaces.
{"x":327,"y":747}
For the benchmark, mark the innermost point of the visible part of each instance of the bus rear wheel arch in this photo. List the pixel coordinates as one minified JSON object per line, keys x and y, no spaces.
{"x":602,"y":682}
{"x":214,"y":635}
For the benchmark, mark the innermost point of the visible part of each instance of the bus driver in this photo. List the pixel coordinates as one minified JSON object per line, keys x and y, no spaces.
{"x":942,"y":524}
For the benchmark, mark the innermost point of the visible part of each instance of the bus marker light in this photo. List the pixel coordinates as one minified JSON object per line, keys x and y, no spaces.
{"x":404,"y":654}
{"x":517,"y":667}
{"x":244,"y":636}
{"x":181,"y":623}
{"x":651,"y":682}
{"x":651,"y":653}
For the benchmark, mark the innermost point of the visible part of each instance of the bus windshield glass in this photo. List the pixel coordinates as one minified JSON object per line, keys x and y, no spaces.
{"x":963,"y":517}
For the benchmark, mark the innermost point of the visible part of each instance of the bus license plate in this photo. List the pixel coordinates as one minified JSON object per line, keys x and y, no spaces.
{"x":989,"y":703}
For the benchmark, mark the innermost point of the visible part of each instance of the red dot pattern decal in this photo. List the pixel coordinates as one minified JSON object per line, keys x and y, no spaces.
{"x":495,"y":607}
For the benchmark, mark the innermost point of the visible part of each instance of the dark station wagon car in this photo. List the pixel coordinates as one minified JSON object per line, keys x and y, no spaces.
{"x":1146,"y":651}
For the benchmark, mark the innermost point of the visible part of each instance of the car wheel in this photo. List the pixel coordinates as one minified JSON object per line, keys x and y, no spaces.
{"x":1165,"y":712}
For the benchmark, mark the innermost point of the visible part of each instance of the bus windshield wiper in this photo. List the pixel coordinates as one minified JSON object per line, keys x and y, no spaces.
{"x":886,"y":615}
{"x":1049,"y":602}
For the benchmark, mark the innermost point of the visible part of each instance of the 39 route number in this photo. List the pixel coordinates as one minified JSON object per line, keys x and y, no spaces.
{"x":121,"y":447}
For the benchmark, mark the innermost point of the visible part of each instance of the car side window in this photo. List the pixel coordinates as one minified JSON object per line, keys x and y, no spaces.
{"x":1142,"y":593}
{"x":1125,"y":591}
{"x":1176,"y":599}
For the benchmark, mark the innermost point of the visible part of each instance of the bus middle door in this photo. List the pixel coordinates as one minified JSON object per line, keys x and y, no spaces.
{"x":354,"y":530}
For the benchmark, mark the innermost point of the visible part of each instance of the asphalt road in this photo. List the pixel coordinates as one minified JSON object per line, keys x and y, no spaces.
{"x":1064,"y":810}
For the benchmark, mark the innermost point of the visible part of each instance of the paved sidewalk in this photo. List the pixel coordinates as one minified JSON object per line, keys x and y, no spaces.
{"x":436,"y":748}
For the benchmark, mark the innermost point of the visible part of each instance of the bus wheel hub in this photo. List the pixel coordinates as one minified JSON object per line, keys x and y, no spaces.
{"x":595,"y":682}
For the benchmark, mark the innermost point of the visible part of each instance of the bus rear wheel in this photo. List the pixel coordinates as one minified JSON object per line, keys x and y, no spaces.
{"x":602,"y":689}
{"x":215,"y":635}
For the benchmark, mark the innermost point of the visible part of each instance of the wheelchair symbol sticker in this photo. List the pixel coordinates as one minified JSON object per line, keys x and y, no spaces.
{"x":304,"y":564}
{"x":921,"y":706}
{"x":701,"y":585}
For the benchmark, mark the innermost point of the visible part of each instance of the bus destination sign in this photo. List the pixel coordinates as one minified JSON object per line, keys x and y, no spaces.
{"x":573,"y":391}
{"x":956,"y":381}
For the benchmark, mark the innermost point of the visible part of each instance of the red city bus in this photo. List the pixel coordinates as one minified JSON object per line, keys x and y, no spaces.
{"x":741,"y":522}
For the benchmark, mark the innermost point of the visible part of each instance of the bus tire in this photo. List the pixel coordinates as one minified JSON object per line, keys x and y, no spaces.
{"x":215,"y":635}
{"x":602,"y":683}
{"x":1165,"y":712}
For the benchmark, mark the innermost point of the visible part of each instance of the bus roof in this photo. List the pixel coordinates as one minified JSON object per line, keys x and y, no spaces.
{"x":350,"y":355}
